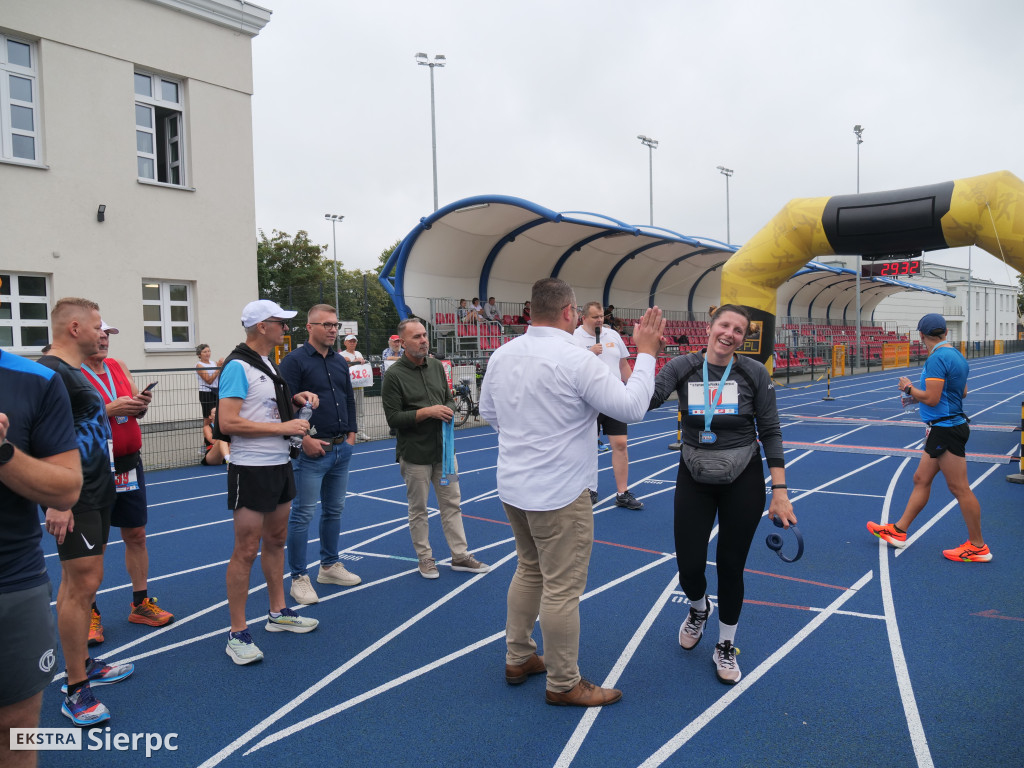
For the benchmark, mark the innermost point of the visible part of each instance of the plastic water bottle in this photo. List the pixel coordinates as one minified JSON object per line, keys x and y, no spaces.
{"x":304,"y":413}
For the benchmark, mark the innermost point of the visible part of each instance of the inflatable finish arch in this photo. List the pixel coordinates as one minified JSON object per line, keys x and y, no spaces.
{"x":986,"y":211}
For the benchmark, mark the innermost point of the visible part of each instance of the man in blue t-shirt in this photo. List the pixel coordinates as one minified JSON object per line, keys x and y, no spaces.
{"x":39,"y":464}
{"x":941,"y":391}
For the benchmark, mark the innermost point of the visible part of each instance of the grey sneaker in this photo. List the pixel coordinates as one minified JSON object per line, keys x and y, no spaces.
{"x":469,"y":564}
{"x":428,"y":570}
{"x":691,"y":630}
{"x":290,"y":621}
{"x":336,"y":573}
{"x":302,"y":590}
{"x":628,"y":500}
{"x":726,"y":668}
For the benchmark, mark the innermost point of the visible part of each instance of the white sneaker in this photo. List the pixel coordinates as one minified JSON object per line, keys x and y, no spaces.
{"x":242,"y":649}
{"x":726,"y":668}
{"x":302,"y":590}
{"x":336,"y":573}
{"x":692,"y":630}
{"x":290,"y":621}
{"x":428,"y":569}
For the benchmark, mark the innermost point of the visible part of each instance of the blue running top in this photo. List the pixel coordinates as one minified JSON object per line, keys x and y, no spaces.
{"x":947,"y":364}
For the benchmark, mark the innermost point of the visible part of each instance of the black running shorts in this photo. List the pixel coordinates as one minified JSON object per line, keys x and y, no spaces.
{"x":952,"y":439}
{"x":92,"y":529}
{"x":610,"y":426}
{"x":261,"y":489}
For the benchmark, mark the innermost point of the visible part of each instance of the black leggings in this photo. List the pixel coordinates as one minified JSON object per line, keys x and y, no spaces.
{"x":739,"y":507}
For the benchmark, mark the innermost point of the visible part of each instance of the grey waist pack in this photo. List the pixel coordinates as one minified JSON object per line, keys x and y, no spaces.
{"x":718,"y":467}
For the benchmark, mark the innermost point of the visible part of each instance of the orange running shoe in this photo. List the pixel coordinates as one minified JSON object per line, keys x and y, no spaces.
{"x":889,"y":533}
{"x":95,"y":629}
{"x":968,"y":553}
{"x":148,"y":612}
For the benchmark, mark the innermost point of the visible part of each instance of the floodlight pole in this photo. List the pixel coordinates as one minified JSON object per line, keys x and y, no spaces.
{"x":334,"y":219}
{"x":858,"y":131}
{"x":651,"y":145}
{"x":439,"y":61}
{"x":727,"y":172}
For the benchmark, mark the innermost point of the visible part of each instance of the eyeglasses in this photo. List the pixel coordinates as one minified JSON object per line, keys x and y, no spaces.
{"x":329,"y":326}
{"x":282,"y":323}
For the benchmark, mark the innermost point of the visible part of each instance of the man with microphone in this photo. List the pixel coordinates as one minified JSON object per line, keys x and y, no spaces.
{"x":607,"y":344}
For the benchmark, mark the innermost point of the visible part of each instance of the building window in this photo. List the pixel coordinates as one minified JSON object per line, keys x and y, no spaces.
{"x":167,"y":314}
{"x":19,"y":101}
{"x":159,"y":129}
{"x":24,"y":312}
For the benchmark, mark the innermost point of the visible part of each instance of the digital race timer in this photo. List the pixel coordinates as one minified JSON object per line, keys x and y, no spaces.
{"x":902,"y":268}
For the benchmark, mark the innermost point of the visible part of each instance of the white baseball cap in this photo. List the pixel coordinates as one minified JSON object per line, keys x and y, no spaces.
{"x":351,"y":337}
{"x":107,"y":328}
{"x":258,"y":311}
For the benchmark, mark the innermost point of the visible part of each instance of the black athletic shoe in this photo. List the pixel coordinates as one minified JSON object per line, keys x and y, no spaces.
{"x":628,"y":500}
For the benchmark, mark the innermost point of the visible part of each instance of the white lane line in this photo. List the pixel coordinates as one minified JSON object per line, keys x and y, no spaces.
{"x":454,"y":656}
{"x":268,"y":721}
{"x":899,"y":660}
{"x":676,"y":742}
{"x":579,"y":735}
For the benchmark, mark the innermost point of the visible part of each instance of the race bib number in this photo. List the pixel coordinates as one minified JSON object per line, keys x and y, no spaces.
{"x":729,"y":393}
{"x":361,"y":375}
{"x":126,"y":481}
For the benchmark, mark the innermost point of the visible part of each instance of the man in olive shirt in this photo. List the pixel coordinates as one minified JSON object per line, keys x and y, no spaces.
{"x":417,"y":400}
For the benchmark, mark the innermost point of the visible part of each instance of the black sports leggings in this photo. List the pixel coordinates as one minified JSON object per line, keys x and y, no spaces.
{"x":738,"y":506}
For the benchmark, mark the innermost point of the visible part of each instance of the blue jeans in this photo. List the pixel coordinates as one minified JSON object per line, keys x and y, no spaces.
{"x":323,"y":479}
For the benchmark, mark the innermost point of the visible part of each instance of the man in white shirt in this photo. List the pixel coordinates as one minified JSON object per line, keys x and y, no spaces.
{"x":607,"y":344}
{"x":542,"y":394}
{"x":491,"y":312}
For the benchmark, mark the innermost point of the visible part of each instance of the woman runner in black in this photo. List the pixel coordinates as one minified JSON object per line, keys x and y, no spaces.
{"x":741,"y":397}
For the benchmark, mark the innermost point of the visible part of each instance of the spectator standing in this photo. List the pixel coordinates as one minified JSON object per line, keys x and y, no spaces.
{"x":321,"y":468}
{"x":940,"y":392}
{"x":392,"y":353}
{"x":417,"y":401}
{"x":39,"y":464}
{"x":354,"y":357}
{"x":208,"y":374}
{"x":82,"y":531}
{"x":610,"y":350}
{"x":125,"y":405}
{"x":542,"y":393}
{"x":255,"y":409}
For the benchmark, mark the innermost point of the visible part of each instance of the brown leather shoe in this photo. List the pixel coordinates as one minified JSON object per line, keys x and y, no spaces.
{"x":516,"y":674}
{"x":585,"y":694}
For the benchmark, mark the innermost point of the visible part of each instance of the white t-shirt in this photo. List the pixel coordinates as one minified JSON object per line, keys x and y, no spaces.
{"x":352,"y":357}
{"x":614,"y":347}
{"x":259,"y":404}
{"x":203,"y":386}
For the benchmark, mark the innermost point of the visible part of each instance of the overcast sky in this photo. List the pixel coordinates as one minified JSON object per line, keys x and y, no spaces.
{"x":544,"y":101}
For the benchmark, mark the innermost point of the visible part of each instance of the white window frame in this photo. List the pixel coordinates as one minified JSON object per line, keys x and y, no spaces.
{"x":162,"y":157}
{"x":7,"y":102}
{"x":15,"y":300}
{"x":166,"y":324}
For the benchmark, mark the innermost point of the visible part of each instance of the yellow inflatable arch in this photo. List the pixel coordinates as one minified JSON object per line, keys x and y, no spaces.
{"x":986,"y":211}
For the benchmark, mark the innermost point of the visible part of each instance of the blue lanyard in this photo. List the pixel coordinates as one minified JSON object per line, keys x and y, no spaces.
{"x":447,"y":450}
{"x":111,"y":392}
{"x":708,"y":413}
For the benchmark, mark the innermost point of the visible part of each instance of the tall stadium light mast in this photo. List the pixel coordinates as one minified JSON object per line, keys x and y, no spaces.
{"x":335,"y":219}
{"x":727,"y":172}
{"x":858,"y":131}
{"x":651,"y":145}
{"x":439,"y":61}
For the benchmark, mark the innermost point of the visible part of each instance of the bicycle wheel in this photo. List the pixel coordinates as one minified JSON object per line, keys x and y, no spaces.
{"x":462,"y":410}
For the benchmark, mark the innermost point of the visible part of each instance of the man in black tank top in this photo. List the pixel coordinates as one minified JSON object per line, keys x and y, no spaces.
{"x":81,"y":531}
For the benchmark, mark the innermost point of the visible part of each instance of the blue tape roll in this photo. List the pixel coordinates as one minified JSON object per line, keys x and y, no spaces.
{"x":774,"y":542}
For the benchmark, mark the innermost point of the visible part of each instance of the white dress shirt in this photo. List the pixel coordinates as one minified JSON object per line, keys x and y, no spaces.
{"x":542,"y":393}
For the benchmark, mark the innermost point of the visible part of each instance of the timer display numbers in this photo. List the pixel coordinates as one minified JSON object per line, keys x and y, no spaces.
{"x":902,"y":268}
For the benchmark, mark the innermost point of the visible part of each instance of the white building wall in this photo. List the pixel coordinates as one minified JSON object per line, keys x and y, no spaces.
{"x":203,"y":233}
